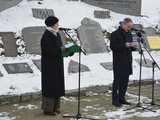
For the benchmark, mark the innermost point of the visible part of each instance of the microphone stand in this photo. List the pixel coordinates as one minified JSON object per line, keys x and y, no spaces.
{"x":154,"y":64}
{"x":78,"y":115}
{"x":139,"y":104}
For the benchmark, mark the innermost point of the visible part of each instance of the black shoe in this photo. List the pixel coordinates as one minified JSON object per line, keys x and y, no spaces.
{"x":58,"y":112}
{"x":50,"y":113}
{"x":117,"y":104}
{"x":125,"y":102}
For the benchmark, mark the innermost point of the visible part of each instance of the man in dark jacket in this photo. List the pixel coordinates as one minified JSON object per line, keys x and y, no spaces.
{"x":52,"y":68}
{"x":122,"y":46}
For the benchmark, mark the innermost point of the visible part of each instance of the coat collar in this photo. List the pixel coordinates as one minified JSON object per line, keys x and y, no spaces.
{"x":52,"y":31}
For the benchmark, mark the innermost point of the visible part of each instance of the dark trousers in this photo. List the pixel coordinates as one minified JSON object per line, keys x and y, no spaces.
{"x":119,"y":89}
{"x":50,"y":105}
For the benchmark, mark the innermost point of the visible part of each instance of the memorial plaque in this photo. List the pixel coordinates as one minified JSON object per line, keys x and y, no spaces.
{"x":14,"y":68}
{"x":42,"y":13}
{"x":101,"y":14}
{"x":5,"y":4}
{"x":91,"y":36}
{"x":9,"y":44}
{"x":152,"y":38}
{"x":37,"y":63}
{"x":107,"y":65}
{"x":154,"y":42}
{"x":32,"y":37}
{"x":74,"y":67}
{"x":129,"y":7}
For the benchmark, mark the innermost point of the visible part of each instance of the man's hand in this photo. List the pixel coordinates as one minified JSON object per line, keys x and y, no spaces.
{"x":128,"y":44}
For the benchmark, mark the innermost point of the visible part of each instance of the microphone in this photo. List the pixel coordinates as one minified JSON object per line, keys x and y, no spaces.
{"x":139,"y":34}
{"x":65,"y":29}
{"x":141,"y":39}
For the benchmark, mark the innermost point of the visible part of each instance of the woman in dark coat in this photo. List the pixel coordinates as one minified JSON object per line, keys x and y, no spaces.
{"x":52,"y":68}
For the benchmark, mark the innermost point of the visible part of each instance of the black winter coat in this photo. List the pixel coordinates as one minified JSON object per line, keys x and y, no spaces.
{"x":52,"y":65}
{"x":122,"y":56}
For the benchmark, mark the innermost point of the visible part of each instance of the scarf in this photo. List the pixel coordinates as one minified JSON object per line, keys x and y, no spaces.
{"x":51,"y":30}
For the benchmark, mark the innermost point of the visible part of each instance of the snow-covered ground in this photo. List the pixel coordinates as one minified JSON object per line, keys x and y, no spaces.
{"x":23,"y":83}
{"x":5,"y":116}
{"x":71,"y":14}
{"x":123,"y":113}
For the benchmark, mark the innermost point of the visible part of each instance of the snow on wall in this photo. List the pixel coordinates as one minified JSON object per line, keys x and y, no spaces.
{"x":71,"y":14}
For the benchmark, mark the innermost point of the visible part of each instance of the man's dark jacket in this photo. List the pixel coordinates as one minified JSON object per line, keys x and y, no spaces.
{"x":122,"y":56}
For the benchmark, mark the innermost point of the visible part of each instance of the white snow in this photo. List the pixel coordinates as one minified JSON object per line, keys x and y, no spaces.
{"x":5,"y":116}
{"x":29,"y":106}
{"x":70,"y":14}
{"x":124,"y":114}
{"x":22,"y":83}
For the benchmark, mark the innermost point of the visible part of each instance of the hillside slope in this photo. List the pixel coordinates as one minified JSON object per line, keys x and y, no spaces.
{"x":70,"y":14}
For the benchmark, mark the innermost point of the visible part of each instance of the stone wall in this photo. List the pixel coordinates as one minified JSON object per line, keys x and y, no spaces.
{"x":14,"y":99}
{"x":5,"y":4}
{"x":129,"y":7}
{"x":91,"y":36}
{"x":9,"y":42}
{"x":32,"y":37}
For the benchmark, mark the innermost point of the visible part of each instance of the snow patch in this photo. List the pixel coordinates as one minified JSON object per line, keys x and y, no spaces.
{"x":5,"y":116}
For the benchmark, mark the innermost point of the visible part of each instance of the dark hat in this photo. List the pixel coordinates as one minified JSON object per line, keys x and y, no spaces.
{"x":51,"y":21}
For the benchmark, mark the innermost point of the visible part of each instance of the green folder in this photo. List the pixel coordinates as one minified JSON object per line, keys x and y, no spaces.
{"x":70,"y":49}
